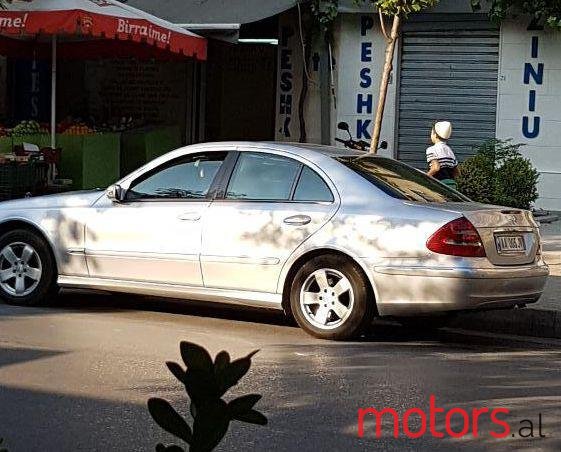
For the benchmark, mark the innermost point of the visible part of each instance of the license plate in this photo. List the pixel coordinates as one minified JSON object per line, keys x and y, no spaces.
{"x":510,"y":244}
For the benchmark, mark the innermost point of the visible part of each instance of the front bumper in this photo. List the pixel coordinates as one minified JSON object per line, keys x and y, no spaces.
{"x":416,"y":290}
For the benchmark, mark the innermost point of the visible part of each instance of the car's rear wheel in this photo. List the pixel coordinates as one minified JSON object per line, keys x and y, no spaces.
{"x":27,"y":269}
{"x":329,"y":298}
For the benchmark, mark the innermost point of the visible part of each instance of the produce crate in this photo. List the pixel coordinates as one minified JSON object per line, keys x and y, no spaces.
{"x":17,"y":180}
{"x":5,"y":145}
{"x":140,"y":146}
{"x":91,"y":161}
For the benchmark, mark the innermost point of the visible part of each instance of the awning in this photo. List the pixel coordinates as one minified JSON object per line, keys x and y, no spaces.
{"x":213,"y":11}
{"x":88,"y":27}
{"x":90,"y":19}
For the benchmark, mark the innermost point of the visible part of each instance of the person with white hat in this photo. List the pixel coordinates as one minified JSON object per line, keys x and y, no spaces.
{"x":440,"y":157}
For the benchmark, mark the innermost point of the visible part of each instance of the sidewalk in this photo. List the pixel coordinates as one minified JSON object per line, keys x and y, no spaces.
{"x":542,"y":319}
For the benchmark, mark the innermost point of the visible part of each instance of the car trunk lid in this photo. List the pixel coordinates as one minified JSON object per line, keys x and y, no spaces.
{"x":510,"y":236}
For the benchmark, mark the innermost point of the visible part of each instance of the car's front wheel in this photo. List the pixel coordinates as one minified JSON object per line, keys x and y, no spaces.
{"x":27,"y":269}
{"x":330,"y":299}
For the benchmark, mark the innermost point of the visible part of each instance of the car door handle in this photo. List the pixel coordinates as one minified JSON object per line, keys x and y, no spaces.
{"x":190,"y":216}
{"x":298,"y":220}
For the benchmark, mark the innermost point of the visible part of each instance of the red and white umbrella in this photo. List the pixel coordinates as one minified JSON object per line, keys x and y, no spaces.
{"x":96,"y":20}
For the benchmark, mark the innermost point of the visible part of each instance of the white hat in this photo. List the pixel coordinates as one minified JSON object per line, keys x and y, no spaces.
{"x":443,"y":129}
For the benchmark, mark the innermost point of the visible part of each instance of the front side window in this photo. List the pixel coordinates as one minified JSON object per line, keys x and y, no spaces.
{"x":263,"y":177}
{"x":401,"y":181}
{"x":188,"y":177}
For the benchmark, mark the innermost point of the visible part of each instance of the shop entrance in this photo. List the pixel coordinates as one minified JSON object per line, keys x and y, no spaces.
{"x":241,"y":87}
{"x":449,"y":71}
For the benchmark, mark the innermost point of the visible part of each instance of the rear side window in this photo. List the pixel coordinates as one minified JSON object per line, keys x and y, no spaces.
{"x":311,"y":187}
{"x":401,"y":181}
{"x":263,"y":177}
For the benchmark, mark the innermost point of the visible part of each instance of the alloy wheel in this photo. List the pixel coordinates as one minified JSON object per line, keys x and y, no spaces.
{"x":20,"y":269}
{"x":327,"y":298}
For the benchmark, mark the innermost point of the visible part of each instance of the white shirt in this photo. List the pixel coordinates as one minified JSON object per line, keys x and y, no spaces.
{"x":443,"y":153}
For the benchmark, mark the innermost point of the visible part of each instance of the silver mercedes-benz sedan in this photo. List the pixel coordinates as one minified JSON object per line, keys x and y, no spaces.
{"x":332,"y":237}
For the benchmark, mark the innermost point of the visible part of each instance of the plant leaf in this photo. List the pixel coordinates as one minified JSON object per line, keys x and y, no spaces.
{"x":167,"y":418}
{"x":232,"y":374}
{"x":210,"y":426}
{"x":252,"y":417}
{"x":176,"y":370}
{"x":243,"y":404}
{"x":196,"y":357}
{"x":201,"y":386}
{"x":221,"y":361}
{"x":174,"y":448}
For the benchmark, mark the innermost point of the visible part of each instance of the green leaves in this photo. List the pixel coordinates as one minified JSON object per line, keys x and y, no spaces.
{"x":402,"y":7}
{"x":544,"y":12}
{"x":325,"y":12}
{"x":1,"y":448}
{"x":499,"y":174}
{"x":206,"y":382}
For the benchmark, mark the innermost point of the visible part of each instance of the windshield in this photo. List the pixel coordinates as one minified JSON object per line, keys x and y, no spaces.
{"x":401,"y":181}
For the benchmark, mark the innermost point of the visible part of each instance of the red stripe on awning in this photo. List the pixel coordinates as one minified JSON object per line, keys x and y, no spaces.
{"x":87,"y":24}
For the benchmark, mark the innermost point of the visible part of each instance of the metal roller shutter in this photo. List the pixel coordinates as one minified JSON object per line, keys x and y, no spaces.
{"x":449,"y":71}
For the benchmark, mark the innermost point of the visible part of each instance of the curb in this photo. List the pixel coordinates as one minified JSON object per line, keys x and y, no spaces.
{"x":519,"y":322}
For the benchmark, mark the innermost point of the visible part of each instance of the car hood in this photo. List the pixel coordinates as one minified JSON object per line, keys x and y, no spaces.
{"x":72,"y":199}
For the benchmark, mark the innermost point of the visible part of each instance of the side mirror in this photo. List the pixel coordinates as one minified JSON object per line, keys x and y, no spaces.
{"x":116,"y":193}
{"x":343,"y":126}
{"x":384,"y":145}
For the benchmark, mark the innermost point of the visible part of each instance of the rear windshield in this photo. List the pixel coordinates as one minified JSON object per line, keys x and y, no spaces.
{"x":401,"y":181}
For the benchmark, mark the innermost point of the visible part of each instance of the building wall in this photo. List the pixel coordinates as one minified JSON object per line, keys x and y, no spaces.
{"x":361,"y":55}
{"x":529,"y":102}
{"x":290,"y":73}
{"x":356,"y":75}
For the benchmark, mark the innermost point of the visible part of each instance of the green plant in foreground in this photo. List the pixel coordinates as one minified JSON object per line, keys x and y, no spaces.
{"x":499,"y":174}
{"x":206,"y":382}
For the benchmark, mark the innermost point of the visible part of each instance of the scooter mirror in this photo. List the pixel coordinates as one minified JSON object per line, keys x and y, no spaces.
{"x":343,"y":126}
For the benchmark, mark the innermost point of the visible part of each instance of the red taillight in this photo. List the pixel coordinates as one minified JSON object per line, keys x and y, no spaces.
{"x":457,"y":238}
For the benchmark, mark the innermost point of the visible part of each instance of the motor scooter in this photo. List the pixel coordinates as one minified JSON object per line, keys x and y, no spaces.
{"x":356,"y":145}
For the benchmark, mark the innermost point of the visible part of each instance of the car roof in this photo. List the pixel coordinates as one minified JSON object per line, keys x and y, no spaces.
{"x":304,"y":149}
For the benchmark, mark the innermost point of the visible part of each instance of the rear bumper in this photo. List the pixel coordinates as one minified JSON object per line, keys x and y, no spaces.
{"x":405,"y":291}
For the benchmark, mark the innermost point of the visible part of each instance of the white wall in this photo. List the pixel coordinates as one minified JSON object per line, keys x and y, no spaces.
{"x":360,"y":62}
{"x":514,"y":103}
{"x":357,"y":37}
{"x":290,"y":74}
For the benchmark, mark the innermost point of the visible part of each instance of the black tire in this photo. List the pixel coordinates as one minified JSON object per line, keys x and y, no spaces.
{"x":363,"y":307}
{"x":46,"y":287}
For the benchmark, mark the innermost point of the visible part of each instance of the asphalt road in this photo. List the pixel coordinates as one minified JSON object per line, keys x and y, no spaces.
{"x":77,"y":375}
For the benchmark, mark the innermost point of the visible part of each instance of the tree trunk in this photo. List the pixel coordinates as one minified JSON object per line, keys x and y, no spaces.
{"x":305,"y":86}
{"x":388,"y":67}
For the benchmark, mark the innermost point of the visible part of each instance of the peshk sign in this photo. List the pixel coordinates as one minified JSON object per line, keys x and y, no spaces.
{"x":364,"y":101}
{"x":533,"y":75}
{"x":286,"y":82}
